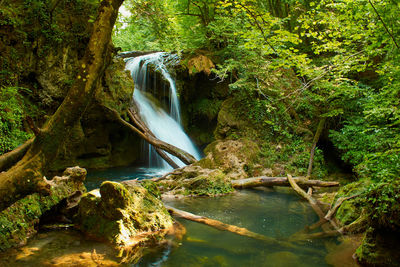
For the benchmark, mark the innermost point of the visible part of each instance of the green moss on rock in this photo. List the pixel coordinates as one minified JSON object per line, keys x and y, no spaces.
{"x":236,"y":158}
{"x":196,"y":181}
{"x":351,"y":209}
{"x":118,"y":213}
{"x":18,"y":222}
{"x":379,"y":248}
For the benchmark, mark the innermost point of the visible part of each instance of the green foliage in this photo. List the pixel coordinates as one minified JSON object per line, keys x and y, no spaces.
{"x":383,"y":204}
{"x":11,"y":114}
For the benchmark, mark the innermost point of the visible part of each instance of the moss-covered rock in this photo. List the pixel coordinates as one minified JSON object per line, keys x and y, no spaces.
{"x":236,"y":158}
{"x":379,"y":248}
{"x":351,"y":209}
{"x":196,"y":181}
{"x":122,"y":214}
{"x":18,"y":222}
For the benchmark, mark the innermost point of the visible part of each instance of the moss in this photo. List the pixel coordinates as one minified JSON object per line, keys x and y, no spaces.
{"x":18,"y":222}
{"x":118,"y":212}
{"x":152,"y":188}
{"x":379,"y":248}
{"x":351,"y":209}
{"x":209,"y":185}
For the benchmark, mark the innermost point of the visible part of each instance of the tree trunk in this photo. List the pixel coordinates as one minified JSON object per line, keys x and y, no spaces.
{"x":235,"y":229}
{"x":314,"y":145}
{"x":279,"y":181}
{"x":27,"y":175}
{"x":184,"y":156}
{"x":143,"y":127}
{"x":8,"y":159}
{"x":135,"y":53}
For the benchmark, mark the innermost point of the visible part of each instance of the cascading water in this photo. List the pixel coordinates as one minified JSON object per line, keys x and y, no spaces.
{"x":166,"y":127}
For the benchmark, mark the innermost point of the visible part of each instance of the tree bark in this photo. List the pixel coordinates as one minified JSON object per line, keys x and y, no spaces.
{"x":135,"y":53}
{"x":27,"y":175}
{"x":143,"y":127}
{"x":313,"y":203}
{"x":234,"y":229}
{"x":314,"y":145}
{"x":279,"y":181}
{"x":8,"y":159}
{"x":184,"y":156}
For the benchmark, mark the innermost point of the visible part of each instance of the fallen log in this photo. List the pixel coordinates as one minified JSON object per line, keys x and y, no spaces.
{"x":338,"y":203}
{"x":135,"y":53}
{"x":313,"y":203}
{"x":279,"y":181}
{"x":143,"y":127}
{"x":184,"y":156}
{"x":10,"y":158}
{"x":354,"y":227}
{"x":235,"y":229}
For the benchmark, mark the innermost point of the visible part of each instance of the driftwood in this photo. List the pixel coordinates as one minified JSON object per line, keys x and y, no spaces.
{"x":10,"y":158}
{"x":135,"y":53}
{"x":279,"y":181}
{"x":184,"y":156}
{"x":219,"y":225}
{"x":235,"y":229}
{"x":143,"y":127}
{"x":338,"y":203}
{"x":313,"y":203}
{"x":354,"y":227}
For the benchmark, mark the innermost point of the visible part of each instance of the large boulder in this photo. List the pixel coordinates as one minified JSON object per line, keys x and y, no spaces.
{"x":235,"y":158}
{"x":19,"y":221}
{"x":125,"y":215}
{"x":194,"y":180}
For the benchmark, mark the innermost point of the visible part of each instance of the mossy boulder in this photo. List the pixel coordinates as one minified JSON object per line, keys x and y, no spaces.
{"x":230,"y":123}
{"x":196,"y":181}
{"x":379,"y":248}
{"x":236,"y":158}
{"x":122,"y":214}
{"x":19,"y":221}
{"x":351,"y":209}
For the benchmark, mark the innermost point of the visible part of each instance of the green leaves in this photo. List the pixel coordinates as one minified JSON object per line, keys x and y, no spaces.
{"x":11,"y":115}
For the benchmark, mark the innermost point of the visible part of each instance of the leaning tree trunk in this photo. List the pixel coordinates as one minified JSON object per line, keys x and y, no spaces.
{"x":27,"y":175}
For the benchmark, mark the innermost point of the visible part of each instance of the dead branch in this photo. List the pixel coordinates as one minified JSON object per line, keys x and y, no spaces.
{"x":142,"y":126}
{"x":233,"y":229}
{"x":184,"y":156}
{"x":313,"y":203}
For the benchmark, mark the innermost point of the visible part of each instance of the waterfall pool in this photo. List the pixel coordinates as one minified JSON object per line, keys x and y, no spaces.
{"x":272,"y":212}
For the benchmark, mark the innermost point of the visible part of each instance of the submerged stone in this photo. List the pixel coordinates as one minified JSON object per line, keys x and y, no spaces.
{"x":123,"y":214}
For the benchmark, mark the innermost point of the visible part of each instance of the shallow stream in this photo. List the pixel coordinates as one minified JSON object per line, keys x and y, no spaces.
{"x":271,"y":212}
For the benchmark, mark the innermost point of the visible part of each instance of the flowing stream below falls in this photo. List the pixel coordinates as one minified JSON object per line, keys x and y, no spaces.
{"x":273,"y":212}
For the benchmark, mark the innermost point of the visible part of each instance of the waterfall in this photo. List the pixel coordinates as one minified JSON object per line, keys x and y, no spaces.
{"x":165,"y":125}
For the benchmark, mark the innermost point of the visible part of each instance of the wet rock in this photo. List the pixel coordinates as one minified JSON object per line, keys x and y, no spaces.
{"x":379,"y":247}
{"x":97,"y":141}
{"x":194,"y":180}
{"x":18,"y":222}
{"x":123,"y":214}
{"x":236,"y":158}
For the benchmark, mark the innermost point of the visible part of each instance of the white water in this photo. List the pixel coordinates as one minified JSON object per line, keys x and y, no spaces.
{"x":166,"y":127}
